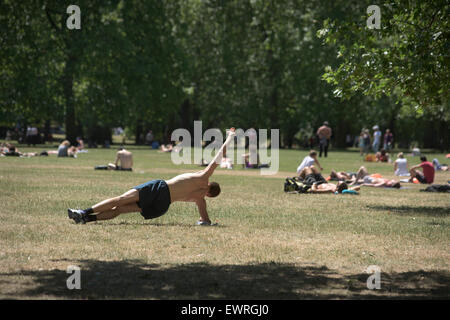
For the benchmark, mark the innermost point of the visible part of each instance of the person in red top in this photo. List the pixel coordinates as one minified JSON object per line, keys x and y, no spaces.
{"x":428,"y":171}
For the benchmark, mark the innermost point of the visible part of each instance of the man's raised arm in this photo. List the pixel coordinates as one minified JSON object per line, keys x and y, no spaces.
{"x":209,"y":170}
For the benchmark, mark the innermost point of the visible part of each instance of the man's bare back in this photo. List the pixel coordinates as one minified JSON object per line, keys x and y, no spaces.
{"x":126,"y":159}
{"x":188,"y":186}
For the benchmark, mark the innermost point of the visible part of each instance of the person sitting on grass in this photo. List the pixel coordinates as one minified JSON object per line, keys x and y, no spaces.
{"x":363,"y":178}
{"x":310,"y":175}
{"x":80,"y":144}
{"x":153,"y":198}
{"x":225,"y":163}
{"x":248,"y":165}
{"x":427,"y":174}
{"x":65,"y":150}
{"x":382,"y":156}
{"x":309,"y":161}
{"x":124,"y":161}
{"x":401,"y":166}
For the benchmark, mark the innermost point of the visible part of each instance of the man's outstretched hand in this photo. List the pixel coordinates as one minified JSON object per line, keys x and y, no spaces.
{"x":231,"y":132}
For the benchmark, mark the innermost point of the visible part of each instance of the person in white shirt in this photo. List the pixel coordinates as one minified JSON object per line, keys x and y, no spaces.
{"x":308,"y":161}
{"x":401,"y":166}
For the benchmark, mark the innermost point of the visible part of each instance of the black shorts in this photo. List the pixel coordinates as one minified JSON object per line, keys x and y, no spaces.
{"x":154,"y":198}
{"x":319,"y":178}
{"x":310,"y":179}
{"x":119,"y":168}
{"x":421,"y":178}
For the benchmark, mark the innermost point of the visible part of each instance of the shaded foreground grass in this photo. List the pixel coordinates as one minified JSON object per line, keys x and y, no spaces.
{"x":136,"y":280}
{"x":268,"y":244}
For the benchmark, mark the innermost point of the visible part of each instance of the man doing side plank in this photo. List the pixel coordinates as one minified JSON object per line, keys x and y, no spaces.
{"x":152,"y":199}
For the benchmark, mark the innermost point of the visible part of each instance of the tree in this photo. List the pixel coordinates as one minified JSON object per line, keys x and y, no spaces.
{"x":409,"y":53}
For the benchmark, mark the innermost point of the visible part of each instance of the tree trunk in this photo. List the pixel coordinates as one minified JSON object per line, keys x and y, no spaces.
{"x":46,"y":130}
{"x":70,"y":119}
{"x":185,"y":116}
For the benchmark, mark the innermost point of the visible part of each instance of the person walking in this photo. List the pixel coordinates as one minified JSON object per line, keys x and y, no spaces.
{"x":388,"y":140}
{"x":367,"y":139}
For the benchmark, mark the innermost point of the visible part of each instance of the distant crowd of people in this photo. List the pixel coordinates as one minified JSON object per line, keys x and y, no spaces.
{"x":367,"y":142}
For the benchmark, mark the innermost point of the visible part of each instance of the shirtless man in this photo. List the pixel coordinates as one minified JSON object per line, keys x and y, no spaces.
{"x":152,"y":199}
{"x":341,"y":175}
{"x":125,"y":158}
{"x":332,"y":188}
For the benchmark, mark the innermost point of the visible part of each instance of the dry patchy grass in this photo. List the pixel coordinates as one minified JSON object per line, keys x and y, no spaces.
{"x":268,"y":244}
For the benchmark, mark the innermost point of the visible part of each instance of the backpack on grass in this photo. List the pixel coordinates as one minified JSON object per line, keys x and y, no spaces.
{"x":295,"y":185}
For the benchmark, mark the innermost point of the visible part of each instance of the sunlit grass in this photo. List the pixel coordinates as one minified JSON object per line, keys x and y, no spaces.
{"x":402,"y":231}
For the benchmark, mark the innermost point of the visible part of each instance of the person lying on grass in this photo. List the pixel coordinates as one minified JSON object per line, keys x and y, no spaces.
{"x":152,"y":199}
{"x":341,"y":175}
{"x":363,"y":178}
{"x":311,"y":176}
{"x":332,"y":188}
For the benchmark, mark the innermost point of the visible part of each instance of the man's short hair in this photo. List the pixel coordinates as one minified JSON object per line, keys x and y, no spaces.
{"x":423,"y":158}
{"x":214,"y":189}
{"x":396,"y":185}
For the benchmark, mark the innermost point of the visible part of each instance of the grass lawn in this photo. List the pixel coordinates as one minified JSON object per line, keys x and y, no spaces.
{"x":268,"y":244}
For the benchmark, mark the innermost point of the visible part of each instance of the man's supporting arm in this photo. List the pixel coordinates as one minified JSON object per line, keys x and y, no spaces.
{"x":318,"y":164}
{"x":201,"y":204}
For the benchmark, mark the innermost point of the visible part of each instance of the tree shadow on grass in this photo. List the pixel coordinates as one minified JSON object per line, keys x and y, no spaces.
{"x":413,"y":210}
{"x":136,"y":280}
